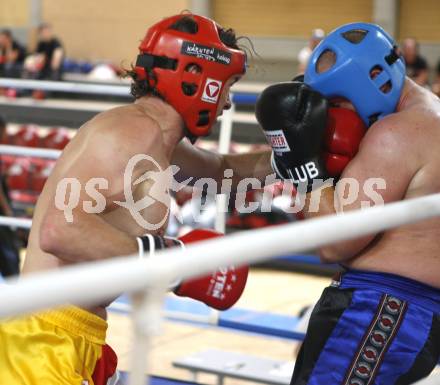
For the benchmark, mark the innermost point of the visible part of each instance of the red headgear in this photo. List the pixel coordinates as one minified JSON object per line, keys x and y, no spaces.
{"x":190,"y":69}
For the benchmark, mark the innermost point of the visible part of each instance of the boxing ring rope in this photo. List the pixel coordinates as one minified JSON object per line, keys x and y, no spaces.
{"x":23,"y":223}
{"x":29,"y":151}
{"x":240,"y":94}
{"x":431,"y":380}
{"x":146,"y":279}
{"x":108,"y":89}
{"x":70,"y":87}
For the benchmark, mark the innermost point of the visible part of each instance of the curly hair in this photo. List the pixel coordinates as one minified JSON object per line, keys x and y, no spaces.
{"x":186,"y":24}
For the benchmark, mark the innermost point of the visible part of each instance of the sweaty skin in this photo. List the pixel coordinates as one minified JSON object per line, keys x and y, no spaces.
{"x":403,"y":150}
{"x":102,"y":149}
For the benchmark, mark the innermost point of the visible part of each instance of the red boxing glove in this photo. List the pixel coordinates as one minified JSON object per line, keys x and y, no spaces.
{"x":344,"y":132}
{"x":219,"y":290}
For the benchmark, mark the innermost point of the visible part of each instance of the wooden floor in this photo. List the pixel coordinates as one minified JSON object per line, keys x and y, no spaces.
{"x":274,"y":291}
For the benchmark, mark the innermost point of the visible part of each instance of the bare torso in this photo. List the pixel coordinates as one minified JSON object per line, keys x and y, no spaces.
{"x":114,"y":215}
{"x":413,"y":250}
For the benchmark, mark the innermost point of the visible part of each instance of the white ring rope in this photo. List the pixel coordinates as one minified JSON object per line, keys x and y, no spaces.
{"x":101,"y":89}
{"x":45,"y":85}
{"x":91,"y":283}
{"x":23,"y":223}
{"x":431,"y":380}
{"x":29,"y":151}
{"x":210,"y":318}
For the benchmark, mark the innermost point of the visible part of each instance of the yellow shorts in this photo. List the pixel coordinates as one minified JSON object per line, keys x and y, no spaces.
{"x":65,"y":346}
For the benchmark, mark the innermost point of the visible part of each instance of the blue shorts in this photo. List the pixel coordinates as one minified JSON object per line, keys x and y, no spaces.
{"x":371,"y":328}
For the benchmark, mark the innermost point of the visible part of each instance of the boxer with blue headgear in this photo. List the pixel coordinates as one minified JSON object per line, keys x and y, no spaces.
{"x":367,"y":69}
{"x":379,"y":321}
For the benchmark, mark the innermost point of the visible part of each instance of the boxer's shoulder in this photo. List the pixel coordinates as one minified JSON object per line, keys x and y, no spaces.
{"x":388,"y":150}
{"x":385,"y":133}
{"x":398,"y":129}
{"x":125,"y":125}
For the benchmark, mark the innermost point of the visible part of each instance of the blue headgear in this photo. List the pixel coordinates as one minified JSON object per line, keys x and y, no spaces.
{"x":350,"y":78}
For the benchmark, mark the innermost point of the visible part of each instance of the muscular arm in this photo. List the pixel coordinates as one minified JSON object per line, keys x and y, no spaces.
{"x":199,"y":163}
{"x":379,"y":157}
{"x":89,"y":237}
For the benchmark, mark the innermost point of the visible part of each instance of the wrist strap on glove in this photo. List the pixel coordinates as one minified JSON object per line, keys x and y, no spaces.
{"x":149,"y":244}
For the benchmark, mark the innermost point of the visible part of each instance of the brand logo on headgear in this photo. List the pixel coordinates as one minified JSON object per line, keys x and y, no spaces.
{"x":205,"y":52}
{"x":211,"y":91}
{"x":223,"y":57}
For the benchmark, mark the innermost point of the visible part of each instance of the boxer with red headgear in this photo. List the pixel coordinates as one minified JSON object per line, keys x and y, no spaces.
{"x":181,"y":81}
{"x":189,"y":69}
{"x":378,"y":322}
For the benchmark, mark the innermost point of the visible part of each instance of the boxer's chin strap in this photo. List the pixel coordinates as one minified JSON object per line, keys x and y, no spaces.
{"x":148,"y":61}
{"x":393,"y":56}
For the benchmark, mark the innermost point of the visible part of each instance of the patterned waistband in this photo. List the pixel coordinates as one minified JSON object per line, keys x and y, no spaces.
{"x":77,"y":321}
{"x":403,"y":288}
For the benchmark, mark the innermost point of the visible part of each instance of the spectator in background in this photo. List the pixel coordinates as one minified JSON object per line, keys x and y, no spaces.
{"x":436,"y":83}
{"x":47,"y":61}
{"x":53,"y":52}
{"x":303,"y":56}
{"x":12,"y":55}
{"x":9,"y":256}
{"x":416,"y":65}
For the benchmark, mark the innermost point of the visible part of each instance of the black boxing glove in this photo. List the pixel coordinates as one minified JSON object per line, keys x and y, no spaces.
{"x":298,"y":78}
{"x":294,"y":118}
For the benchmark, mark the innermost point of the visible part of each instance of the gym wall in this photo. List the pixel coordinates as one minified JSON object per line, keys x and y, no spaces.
{"x":105,"y":30}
